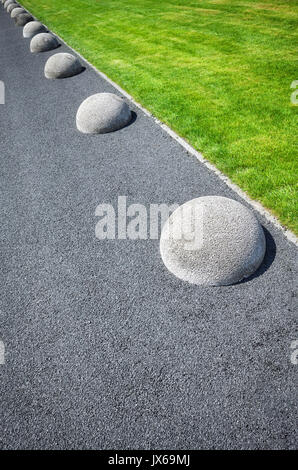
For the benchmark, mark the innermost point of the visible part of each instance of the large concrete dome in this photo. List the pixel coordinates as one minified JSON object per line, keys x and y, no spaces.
{"x":11,"y":6}
{"x":17,"y":11}
{"x":43,"y":42}
{"x":213,"y":241}
{"x":22,"y":19}
{"x":101,"y":113}
{"x":62,"y":65}
{"x":32,"y":28}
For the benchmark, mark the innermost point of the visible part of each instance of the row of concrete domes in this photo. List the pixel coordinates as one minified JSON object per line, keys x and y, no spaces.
{"x":99,"y":113}
{"x":209,"y":240}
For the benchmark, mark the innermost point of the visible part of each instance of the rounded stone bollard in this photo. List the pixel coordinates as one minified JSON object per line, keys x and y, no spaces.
{"x":22,"y":19}
{"x":32,"y":28}
{"x":212,"y":241}
{"x":11,"y":7}
{"x":8,"y":2}
{"x":102,"y":113}
{"x":43,"y":42}
{"x":62,"y":65}
{"x":17,"y":11}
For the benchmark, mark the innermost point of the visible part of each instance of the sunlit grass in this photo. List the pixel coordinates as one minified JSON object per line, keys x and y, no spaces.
{"x":217,"y":71}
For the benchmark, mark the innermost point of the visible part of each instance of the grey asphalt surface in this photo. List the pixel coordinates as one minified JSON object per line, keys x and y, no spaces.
{"x":105,"y":349}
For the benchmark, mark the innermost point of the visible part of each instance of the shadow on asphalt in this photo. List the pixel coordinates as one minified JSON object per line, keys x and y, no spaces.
{"x":133,"y":119}
{"x":268,"y":258}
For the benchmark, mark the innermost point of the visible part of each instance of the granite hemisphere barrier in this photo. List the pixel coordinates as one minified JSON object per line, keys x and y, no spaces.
{"x":212,"y":240}
{"x":102,"y":113}
{"x":43,"y":42}
{"x":17,"y":11}
{"x":22,"y":19}
{"x":32,"y":28}
{"x":11,"y":7}
{"x":62,"y":65}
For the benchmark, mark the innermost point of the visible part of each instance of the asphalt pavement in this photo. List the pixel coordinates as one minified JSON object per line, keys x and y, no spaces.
{"x":104,"y":347}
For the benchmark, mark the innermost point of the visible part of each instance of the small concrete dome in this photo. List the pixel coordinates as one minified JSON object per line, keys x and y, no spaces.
{"x":22,"y":19}
{"x":43,"y":42}
{"x":32,"y":28}
{"x":17,"y":11}
{"x":62,"y":65}
{"x":8,"y":2}
{"x":212,"y":241}
{"x":101,"y":113}
{"x":11,"y":6}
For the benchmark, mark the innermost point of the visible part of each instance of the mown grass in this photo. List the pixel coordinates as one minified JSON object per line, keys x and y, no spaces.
{"x":218,"y":72}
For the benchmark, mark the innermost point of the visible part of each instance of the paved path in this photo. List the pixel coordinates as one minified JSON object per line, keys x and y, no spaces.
{"x":104,"y":347}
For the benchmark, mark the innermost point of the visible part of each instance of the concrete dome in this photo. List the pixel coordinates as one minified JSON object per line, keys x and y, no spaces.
{"x":17,"y":11}
{"x":8,"y":2}
{"x":43,"y":42}
{"x":101,"y":113}
{"x":22,"y":19}
{"x":32,"y":28}
{"x":212,"y":241}
{"x":11,"y":6}
{"x":62,"y":65}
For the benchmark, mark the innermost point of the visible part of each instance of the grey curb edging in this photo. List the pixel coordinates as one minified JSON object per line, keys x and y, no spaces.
{"x":191,"y":150}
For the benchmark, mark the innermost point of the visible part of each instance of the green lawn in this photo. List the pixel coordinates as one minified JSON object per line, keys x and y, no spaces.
{"x":218,"y":72}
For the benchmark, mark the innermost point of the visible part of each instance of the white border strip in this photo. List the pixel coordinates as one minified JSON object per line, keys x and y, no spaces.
{"x":255,"y":204}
